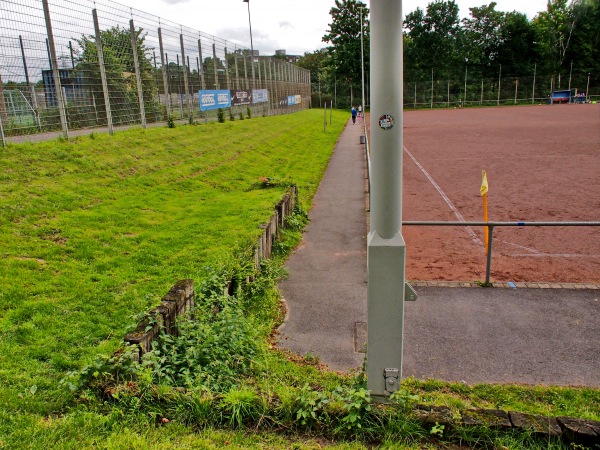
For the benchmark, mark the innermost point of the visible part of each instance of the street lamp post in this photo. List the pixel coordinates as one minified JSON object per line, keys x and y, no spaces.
{"x":251,"y":45}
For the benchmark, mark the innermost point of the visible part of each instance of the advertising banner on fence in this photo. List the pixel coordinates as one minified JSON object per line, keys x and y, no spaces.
{"x":283,"y":101}
{"x":241,"y":97}
{"x":214,"y":100}
{"x":298,"y":100}
{"x":260,"y":96}
{"x":291,"y":100}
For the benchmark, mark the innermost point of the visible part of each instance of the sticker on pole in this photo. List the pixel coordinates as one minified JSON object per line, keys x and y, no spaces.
{"x":386,"y":122}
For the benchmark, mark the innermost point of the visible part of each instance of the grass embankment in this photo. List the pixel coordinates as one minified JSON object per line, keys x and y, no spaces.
{"x":96,"y":230}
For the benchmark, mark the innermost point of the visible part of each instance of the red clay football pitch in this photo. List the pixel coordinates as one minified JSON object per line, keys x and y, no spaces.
{"x":542,"y":163}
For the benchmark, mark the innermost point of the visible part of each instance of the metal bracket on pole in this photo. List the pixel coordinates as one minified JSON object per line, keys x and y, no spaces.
{"x":409,"y":293}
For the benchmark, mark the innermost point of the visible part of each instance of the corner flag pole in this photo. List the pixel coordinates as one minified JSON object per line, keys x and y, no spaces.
{"x":484,"y":190}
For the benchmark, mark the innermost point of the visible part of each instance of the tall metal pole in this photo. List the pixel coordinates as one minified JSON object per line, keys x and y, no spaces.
{"x":533,"y":92}
{"x":251,"y":45}
{"x":386,"y":251}
{"x":102,"y":67}
{"x":164,"y":74}
{"x":570,"y":74}
{"x":587,"y":90}
{"x":431,"y":106}
{"x":362,"y":62}
{"x":465,"y":91}
{"x":499,"y":83}
{"x":138,"y":79}
{"x":60,"y":101}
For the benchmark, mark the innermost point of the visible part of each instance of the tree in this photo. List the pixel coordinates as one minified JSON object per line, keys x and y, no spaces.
{"x":317,"y":62}
{"x":584,"y":50}
{"x":518,"y":50}
{"x":483,"y":35}
{"x":433,"y":39}
{"x":120,"y":69}
{"x":344,"y":35}
{"x":555,"y":28}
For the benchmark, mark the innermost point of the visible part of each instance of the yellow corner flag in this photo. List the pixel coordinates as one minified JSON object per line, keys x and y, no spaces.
{"x":484,"y":191}
{"x":484,"y":183}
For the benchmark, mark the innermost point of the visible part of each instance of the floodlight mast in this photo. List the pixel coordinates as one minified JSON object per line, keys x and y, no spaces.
{"x":386,"y":251}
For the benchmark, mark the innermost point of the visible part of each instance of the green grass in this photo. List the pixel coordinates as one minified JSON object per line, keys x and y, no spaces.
{"x":94,"y":231}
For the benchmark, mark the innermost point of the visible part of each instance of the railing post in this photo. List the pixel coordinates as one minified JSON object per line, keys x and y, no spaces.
{"x":138,"y":78}
{"x":102,"y":72}
{"x":488,"y":268}
{"x":55,"y":72}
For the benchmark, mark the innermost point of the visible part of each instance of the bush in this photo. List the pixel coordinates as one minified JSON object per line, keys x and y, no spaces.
{"x":221,"y":115}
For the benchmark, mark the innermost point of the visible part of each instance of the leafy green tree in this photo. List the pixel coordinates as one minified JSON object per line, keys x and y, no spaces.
{"x":482,"y":32}
{"x":518,"y":50}
{"x":584,"y":50}
{"x":120,"y":74}
{"x":555,"y":29}
{"x":344,"y":35}
{"x":317,"y":62}
{"x":433,"y":40}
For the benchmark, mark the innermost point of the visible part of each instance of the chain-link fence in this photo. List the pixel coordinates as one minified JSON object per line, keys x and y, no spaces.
{"x":499,"y":91}
{"x":434,"y":93}
{"x":74,"y":65}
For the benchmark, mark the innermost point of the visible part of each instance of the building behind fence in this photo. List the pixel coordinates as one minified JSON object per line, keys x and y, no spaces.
{"x":55,"y":77}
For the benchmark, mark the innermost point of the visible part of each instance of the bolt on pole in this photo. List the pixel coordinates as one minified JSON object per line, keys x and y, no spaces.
{"x":386,"y":251}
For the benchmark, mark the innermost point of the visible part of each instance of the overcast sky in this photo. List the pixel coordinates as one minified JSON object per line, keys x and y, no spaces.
{"x":294,"y":25}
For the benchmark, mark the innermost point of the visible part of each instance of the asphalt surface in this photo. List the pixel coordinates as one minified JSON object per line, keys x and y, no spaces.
{"x":474,"y":335}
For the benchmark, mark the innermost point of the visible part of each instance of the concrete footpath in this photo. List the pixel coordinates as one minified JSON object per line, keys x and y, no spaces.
{"x":475,"y":335}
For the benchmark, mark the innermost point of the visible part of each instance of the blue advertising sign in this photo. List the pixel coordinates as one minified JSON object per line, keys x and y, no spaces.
{"x":260,"y":96}
{"x":214,"y":100}
{"x":291,"y":100}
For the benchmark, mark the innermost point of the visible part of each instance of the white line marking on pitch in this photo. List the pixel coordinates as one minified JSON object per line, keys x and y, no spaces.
{"x":437,"y":187}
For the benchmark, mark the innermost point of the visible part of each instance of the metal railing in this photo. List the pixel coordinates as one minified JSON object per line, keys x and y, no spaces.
{"x":83,"y":64}
{"x":492,"y":225}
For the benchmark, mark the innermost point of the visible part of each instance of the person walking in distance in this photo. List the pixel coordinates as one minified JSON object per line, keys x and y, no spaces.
{"x":353,"y":115}
{"x":360,"y":112}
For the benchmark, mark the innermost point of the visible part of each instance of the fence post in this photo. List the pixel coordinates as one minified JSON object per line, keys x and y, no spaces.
{"x":201,"y":66}
{"x":481,"y":101}
{"x":533,"y":92}
{"x":227,"y":70}
{"x":34,"y":105}
{"x":516,"y":90}
{"x":164,"y":74}
{"x":102,"y":72}
{"x":55,"y":72}
{"x":214,"y":49}
{"x":2,"y":133}
{"x":138,"y":78}
{"x":499,"y":83}
{"x":237,"y":73}
{"x":431,"y":89}
{"x":185,"y":77}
